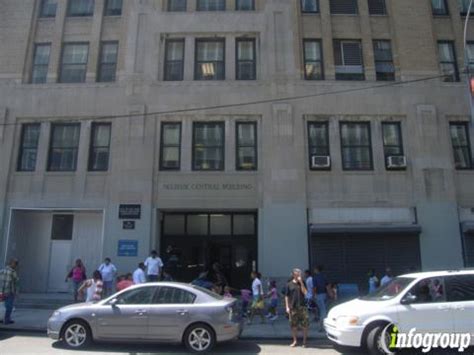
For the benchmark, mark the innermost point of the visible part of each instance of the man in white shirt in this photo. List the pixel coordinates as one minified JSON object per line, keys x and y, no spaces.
{"x":153,"y":264}
{"x":139,"y":274}
{"x":387,"y":278}
{"x":107,"y":271}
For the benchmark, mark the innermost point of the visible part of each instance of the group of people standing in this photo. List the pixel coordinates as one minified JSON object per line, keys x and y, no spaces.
{"x":375,"y":283}
{"x":104,"y":281}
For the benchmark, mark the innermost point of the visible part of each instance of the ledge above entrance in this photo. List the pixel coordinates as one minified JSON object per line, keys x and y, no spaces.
{"x":325,"y":229}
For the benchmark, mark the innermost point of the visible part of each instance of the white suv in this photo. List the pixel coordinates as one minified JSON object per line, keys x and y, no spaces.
{"x":431,"y":302}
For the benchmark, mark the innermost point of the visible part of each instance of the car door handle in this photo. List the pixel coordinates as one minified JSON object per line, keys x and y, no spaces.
{"x":140,"y":312}
{"x":182,"y":312}
{"x":444,"y":308}
{"x":459,"y":308}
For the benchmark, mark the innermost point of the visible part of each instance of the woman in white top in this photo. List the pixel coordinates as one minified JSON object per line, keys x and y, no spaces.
{"x":93,"y":287}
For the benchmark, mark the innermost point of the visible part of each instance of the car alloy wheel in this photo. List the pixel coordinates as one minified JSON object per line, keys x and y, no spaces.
{"x":200,"y":339}
{"x":75,"y":335}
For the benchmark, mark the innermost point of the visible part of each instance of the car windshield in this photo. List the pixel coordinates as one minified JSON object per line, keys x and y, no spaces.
{"x":207,"y":292}
{"x":390,"y":290}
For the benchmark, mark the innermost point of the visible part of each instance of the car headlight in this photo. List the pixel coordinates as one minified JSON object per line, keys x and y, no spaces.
{"x":56,"y":314}
{"x":344,"y":321}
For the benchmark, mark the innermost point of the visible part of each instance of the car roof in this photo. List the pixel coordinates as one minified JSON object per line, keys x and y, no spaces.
{"x":440,"y":273}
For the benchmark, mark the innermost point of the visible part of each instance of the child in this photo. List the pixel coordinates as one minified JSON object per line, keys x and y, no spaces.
{"x":245,"y":295}
{"x":273,"y":295}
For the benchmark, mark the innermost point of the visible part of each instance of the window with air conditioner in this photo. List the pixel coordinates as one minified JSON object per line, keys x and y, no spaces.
{"x":348,"y":59}
{"x":318,"y":145}
{"x":393,"y":145}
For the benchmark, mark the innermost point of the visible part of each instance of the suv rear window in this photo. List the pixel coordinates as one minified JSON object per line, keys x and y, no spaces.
{"x":460,"y":288}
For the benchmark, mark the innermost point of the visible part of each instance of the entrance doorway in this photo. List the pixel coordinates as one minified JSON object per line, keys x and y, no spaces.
{"x":192,"y":242}
{"x":60,"y":255}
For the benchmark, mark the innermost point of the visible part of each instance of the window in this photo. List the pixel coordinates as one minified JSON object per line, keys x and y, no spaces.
{"x":348,"y":59}
{"x":318,"y":140}
{"x":377,"y":7}
{"x":64,"y":146}
{"x":108,"y":62}
{"x":461,"y":145}
{"x":384,"y":67}
{"x":464,"y":7}
{"x":447,"y":61}
{"x":62,"y":227}
{"x":345,"y":7}
{"x":246,"y":68}
{"x":439,"y":7}
{"x":208,"y":146}
{"x":28,"y":147}
{"x":173,"y":295}
{"x":210,"y":5}
{"x":74,"y":63}
{"x":246,"y":149}
{"x":210,"y":62}
{"x":430,"y":290}
{"x":392,"y":139}
{"x":141,"y":296}
{"x":100,"y":146}
{"x":177,"y":5}
{"x":48,"y":8}
{"x":313,"y":59}
{"x":460,"y":288}
{"x":174,"y":60}
{"x":113,"y":7}
{"x":78,"y":8}
{"x":470,"y":56}
{"x":39,"y":71}
{"x":245,"y":5}
{"x":356,"y":146}
{"x":170,"y":151}
{"x":309,"y":6}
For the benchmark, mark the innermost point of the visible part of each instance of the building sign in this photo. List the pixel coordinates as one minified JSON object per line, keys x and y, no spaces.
{"x":127,"y":248}
{"x":128,"y":225}
{"x":208,"y":187}
{"x":130,"y":211}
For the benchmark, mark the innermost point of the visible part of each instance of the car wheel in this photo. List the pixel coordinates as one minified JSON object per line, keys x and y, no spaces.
{"x":77,"y":334}
{"x":375,"y":341}
{"x":199,"y":338}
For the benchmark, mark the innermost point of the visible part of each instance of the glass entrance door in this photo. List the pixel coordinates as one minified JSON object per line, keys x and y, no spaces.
{"x":192,"y":242}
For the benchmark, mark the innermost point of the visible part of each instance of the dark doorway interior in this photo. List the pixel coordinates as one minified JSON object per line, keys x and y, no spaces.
{"x":193,"y":241}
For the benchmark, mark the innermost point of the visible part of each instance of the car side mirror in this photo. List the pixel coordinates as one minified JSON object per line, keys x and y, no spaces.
{"x":408,"y":299}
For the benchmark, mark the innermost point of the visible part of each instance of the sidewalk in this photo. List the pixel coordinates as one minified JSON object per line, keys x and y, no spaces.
{"x":36,"y":319}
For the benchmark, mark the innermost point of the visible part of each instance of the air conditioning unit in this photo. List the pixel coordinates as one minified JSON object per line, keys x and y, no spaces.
{"x":320,"y":162}
{"x":396,"y":162}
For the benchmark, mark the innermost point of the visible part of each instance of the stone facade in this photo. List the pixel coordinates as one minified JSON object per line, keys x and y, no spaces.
{"x":286,"y":194}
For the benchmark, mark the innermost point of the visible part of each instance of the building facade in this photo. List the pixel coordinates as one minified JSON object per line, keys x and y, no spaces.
{"x":263,"y":135}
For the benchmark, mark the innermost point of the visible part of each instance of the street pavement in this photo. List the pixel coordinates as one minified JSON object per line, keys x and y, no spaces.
{"x":12,"y":343}
{"x":34,"y":343}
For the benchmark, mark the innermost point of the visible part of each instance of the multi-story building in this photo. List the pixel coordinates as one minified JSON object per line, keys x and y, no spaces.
{"x":261,"y":134}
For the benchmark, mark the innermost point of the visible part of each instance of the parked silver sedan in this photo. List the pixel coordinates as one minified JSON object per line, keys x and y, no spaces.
{"x":154,"y":312}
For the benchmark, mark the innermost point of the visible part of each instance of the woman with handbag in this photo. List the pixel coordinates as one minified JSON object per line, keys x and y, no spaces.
{"x":78,"y":276}
{"x":258,"y":303}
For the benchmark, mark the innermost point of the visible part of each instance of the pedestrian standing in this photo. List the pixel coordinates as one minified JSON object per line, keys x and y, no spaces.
{"x":108,"y":272}
{"x":153,"y":264}
{"x":139,"y":274}
{"x":310,"y":302}
{"x":387,"y":277}
{"x":258,"y":304}
{"x":126,"y":282}
{"x":320,"y":287}
{"x":167,"y":276}
{"x":218,"y":278}
{"x":78,"y":276}
{"x":295,"y":307}
{"x":246,"y":298}
{"x":94,"y":287}
{"x":373,"y":281}
{"x":9,"y":290}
